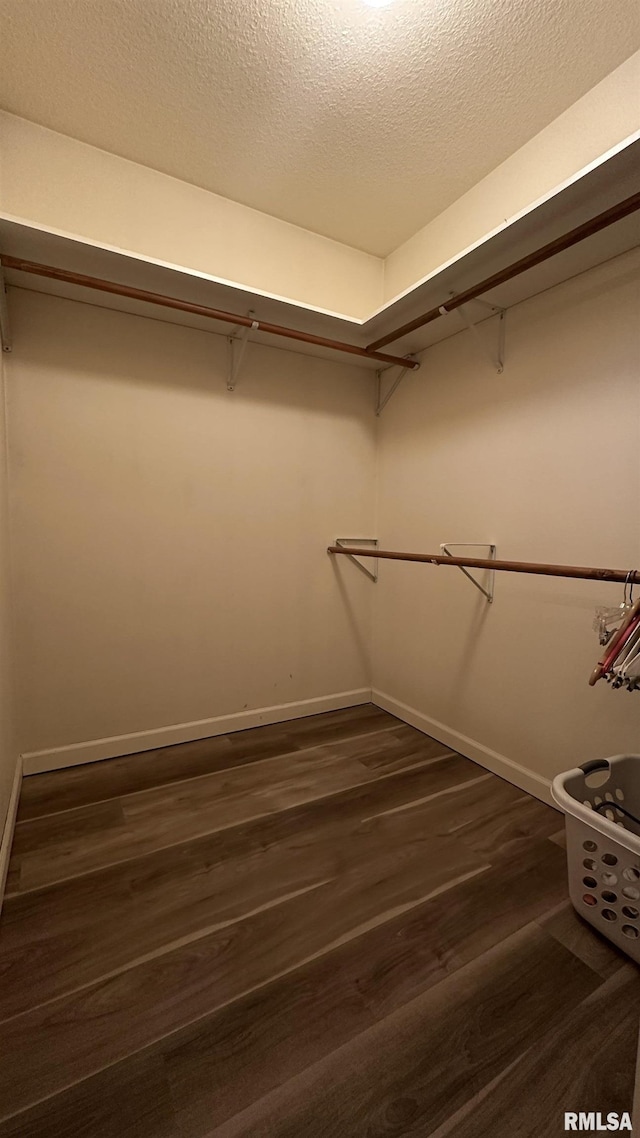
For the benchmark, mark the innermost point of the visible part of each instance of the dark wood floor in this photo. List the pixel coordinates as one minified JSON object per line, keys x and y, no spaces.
{"x":330,"y":927}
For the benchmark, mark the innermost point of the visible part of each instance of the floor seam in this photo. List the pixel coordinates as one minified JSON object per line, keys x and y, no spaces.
{"x":11,"y":896}
{"x":170,"y":946}
{"x":428,"y":798}
{"x":361,"y":931}
{"x":195,"y":777}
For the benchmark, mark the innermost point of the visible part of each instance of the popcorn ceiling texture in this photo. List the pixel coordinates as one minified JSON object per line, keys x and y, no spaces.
{"x":358,"y":123}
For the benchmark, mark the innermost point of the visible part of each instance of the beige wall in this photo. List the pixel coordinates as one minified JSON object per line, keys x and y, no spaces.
{"x":595,"y":124}
{"x":57,"y":182}
{"x":168,"y":534}
{"x":544,"y":461}
{"x":8,"y":750}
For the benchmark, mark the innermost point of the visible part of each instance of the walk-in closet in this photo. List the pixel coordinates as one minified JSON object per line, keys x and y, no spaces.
{"x":319,"y":568}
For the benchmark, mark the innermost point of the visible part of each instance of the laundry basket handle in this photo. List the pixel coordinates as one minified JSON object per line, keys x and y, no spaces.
{"x":594,"y":765}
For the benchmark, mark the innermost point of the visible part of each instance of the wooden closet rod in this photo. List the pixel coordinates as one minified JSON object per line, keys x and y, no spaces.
{"x":199,"y":310}
{"x":622,"y":576}
{"x":573,"y":237}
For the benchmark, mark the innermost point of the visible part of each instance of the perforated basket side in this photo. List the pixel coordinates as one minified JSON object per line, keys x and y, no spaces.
{"x":604,"y":885}
{"x":618,"y":794}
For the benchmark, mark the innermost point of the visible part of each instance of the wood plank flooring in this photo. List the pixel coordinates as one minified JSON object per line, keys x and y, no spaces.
{"x":329,"y":927}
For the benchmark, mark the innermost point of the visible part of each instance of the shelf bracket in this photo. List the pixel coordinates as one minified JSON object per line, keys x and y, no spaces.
{"x":495,"y":358}
{"x":344,"y":542}
{"x":446,"y":548}
{"x":382,"y":400}
{"x":5,"y":327}
{"x":238,"y":341}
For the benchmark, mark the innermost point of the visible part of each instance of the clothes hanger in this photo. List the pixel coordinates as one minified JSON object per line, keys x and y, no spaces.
{"x":613,"y":649}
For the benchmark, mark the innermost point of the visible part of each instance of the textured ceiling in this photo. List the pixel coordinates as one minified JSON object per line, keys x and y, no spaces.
{"x":356,"y":122}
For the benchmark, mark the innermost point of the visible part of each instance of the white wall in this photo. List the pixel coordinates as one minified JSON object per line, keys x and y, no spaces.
{"x":544,"y":461}
{"x":168,"y":535}
{"x":8,"y":750}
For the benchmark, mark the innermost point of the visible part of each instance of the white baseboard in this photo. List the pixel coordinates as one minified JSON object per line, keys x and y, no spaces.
{"x":9,"y":827}
{"x":513,"y":772}
{"x":35,"y":762}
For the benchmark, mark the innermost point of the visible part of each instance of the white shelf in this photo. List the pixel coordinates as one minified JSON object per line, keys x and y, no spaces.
{"x":613,"y":180}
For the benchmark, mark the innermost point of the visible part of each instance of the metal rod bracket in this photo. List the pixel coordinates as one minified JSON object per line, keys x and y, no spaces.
{"x":238,"y":346}
{"x":5,"y":326}
{"x":495,"y":357}
{"x":446,"y":548}
{"x":382,"y":400}
{"x":344,"y":543}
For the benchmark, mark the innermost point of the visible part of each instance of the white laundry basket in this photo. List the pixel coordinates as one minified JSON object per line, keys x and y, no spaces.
{"x":603,"y":845}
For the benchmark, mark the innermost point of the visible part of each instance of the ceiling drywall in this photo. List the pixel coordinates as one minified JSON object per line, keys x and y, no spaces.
{"x":355,"y":122}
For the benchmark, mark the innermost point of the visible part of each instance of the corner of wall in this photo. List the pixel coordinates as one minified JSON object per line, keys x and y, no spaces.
{"x":10,"y":764}
{"x":6,"y":840}
{"x":498,"y":764}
